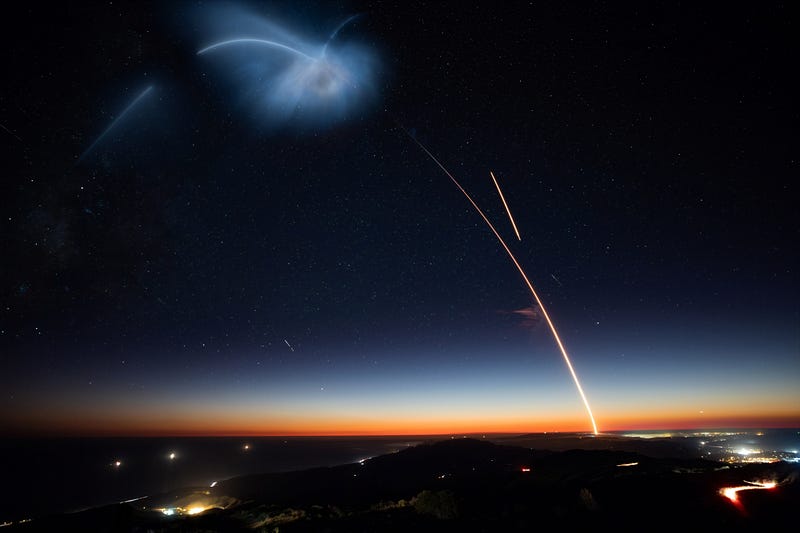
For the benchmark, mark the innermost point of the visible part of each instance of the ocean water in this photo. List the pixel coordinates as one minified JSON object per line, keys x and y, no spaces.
{"x":45,"y":476}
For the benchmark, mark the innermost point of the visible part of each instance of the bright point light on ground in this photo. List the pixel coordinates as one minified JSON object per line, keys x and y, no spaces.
{"x":195,"y":510}
{"x":172,"y":456}
{"x":747,"y":451}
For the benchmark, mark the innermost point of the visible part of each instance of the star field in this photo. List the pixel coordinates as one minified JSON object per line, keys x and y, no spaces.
{"x":204,"y":269}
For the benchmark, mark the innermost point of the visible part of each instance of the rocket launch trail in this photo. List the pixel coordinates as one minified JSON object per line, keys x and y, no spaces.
{"x":524,"y":277}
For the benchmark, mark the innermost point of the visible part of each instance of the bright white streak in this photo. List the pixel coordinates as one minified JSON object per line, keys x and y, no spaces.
{"x":124,"y":112}
{"x":257,"y":41}
{"x":524,"y":277}
{"x":513,"y":224}
{"x":133,"y":499}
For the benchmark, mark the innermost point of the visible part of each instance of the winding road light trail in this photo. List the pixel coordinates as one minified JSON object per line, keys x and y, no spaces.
{"x":732,"y":492}
{"x":524,"y":277}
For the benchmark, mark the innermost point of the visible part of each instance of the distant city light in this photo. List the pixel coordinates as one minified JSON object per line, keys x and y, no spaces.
{"x":747,"y":451}
{"x":213,"y":484}
{"x":193,"y":510}
{"x":246,"y":447}
{"x":172,"y":456}
{"x":117,"y":463}
{"x":525,"y":469}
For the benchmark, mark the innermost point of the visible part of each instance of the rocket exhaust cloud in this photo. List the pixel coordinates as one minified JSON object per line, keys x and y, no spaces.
{"x":283,"y":78}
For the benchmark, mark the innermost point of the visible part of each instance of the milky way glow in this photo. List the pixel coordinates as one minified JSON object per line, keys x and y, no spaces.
{"x":284,"y":79}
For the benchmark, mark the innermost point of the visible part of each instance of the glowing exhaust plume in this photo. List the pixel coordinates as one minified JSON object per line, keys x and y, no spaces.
{"x":285,"y":78}
{"x":116,"y":120}
{"x":513,"y":224}
{"x":524,"y":277}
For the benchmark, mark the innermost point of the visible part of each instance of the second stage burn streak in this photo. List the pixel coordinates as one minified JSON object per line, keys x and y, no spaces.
{"x":511,"y":218}
{"x":524,"y":277}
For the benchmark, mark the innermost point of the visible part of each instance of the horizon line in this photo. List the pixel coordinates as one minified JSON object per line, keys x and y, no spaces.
{"x":45,"y":435}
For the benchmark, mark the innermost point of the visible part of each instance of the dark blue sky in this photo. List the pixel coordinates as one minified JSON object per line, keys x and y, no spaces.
{"x":311,"y":269}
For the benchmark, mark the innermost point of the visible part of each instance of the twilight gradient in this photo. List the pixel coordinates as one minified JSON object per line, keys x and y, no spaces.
{"x":195,"y":276}
{"x":518,"y":384}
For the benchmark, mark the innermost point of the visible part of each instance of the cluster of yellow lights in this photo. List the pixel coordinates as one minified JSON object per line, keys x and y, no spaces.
{"x":170,"y":511}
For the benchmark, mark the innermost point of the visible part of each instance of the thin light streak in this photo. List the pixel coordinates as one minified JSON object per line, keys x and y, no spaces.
{"x":524,"y":277}
{"x":257,"y":41}
{"x":511,"y":218}
{"x":12,"y":133}
{"x":336,"y":32}
{"x":116,"y":120}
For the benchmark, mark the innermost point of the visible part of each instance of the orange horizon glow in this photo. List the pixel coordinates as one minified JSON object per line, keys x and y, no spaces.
{"x":396,"y":427}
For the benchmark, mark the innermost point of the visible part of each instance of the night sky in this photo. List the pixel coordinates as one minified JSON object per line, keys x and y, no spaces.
{"x":235,"y":242}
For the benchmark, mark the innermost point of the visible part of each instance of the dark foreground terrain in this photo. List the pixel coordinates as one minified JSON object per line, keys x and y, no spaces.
{"x":467,"y":485}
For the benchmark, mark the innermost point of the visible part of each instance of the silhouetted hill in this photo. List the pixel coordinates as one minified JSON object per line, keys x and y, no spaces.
{"x":471,"y":485}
